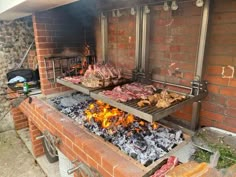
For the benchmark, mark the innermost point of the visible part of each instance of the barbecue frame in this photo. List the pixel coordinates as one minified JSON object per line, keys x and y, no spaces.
{"x":198,"y":90}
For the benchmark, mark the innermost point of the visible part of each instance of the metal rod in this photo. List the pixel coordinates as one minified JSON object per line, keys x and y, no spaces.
{"x":54,"y":70}
{"x":138,"y":39}
{"x":200,"y":61}
{"x":26,"y":53}
{"x":104,"y":36}
{"x":40,"y":137}
{"x":195,"y":115}
{"x":145,"y":40}
{"x":202,"y":42}
{"x":72,"y":170}
{"x":171,"y":84}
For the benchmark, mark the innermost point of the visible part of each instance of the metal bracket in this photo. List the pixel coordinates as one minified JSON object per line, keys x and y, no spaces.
{"x":198,"y":87}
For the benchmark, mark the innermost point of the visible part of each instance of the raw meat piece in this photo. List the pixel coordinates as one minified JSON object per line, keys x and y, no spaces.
{"x":171,"y":163}
{"x":131,"y":91}
{"x":73,"y":79}
{"x":189,"y":169}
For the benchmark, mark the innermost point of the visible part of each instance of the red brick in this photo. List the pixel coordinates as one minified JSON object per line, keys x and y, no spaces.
{"x":217,"y":80}
{"x":228,"y":91}
{"x":206,"y":122}
{"x":68,"y":152}
{"x":70,"y":129}
{"x":214,"y":70}
{"x":216,"y":98}
{"x":38,"y":152}
{"x":230,"y":112}
{"x":211,"y":116}
{"x":213,"y":107}
{"x":230,"y":122}
{"x":231,"y":103}
{"x":21,"y":125}
{"x":109,"y":163}
{"x":51,"y":91}
{"x":232,"y":82}
{"x":91,"y":162}
{"x":127,"y":169}
{"x":83,"y":138}
{"x":182,"y":115}
{"x":213,"y":88}
{"x":222,"y":18}
{"x":175,"y":48}
{"x":98,"y":152}
{"x":103,"y":172}
{"x":220,"y":60}
{"x":79,"y":153}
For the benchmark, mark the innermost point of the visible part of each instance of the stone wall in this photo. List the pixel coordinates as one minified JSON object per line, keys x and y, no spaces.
{"x":15,"y":38}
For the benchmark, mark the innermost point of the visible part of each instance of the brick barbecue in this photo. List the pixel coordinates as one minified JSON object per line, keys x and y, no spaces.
{"x":52,"y":36}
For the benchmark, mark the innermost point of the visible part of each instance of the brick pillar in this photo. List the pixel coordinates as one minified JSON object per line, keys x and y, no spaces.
{"x":37,"y":145}
{"x":20,"y":120}
{"x":32,"y":61}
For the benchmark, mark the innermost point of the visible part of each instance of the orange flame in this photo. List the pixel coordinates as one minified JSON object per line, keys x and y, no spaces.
{"x":142,"y":123}
{"x":155,"y":125}
{"x":107,"y":116}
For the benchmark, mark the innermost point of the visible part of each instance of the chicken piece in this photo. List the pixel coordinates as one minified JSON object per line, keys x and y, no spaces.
{"x":177,"y":97}
{"x":162,"y":103}
{"x":152,"y":99}
{"x":157,"y":96}
{"x":143,"y":102}
{"x":174,"y":95}
{"x":164,"y":94}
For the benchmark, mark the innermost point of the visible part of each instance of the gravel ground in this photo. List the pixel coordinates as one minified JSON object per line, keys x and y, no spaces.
{"x":15,"y":159}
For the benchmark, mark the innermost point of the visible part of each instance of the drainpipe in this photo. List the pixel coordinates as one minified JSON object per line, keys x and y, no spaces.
{"x":200,"y":60}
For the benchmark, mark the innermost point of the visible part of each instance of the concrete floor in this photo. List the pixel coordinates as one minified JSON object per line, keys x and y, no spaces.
{"x":15,"y":159}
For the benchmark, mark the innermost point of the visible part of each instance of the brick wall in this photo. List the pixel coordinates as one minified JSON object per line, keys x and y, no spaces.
{"x":173,"y":46}
{"x":121,"y":41}
{"x":59,"y":30}
{"x":219,"y":107}
{"x":174,"y":42}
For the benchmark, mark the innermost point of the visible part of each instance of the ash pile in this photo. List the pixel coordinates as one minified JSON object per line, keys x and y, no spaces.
{"x":72,"y":105}
{"x":143,"y":141}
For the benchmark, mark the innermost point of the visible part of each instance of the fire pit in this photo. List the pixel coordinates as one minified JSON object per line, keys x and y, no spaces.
{"x":143,"y":141}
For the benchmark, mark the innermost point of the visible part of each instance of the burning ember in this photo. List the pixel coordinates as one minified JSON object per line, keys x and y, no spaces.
{"x":107,"y":116}
{"x":143,"y":141}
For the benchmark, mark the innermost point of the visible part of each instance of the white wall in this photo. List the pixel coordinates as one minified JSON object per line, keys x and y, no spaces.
{"x":8,"y":4}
